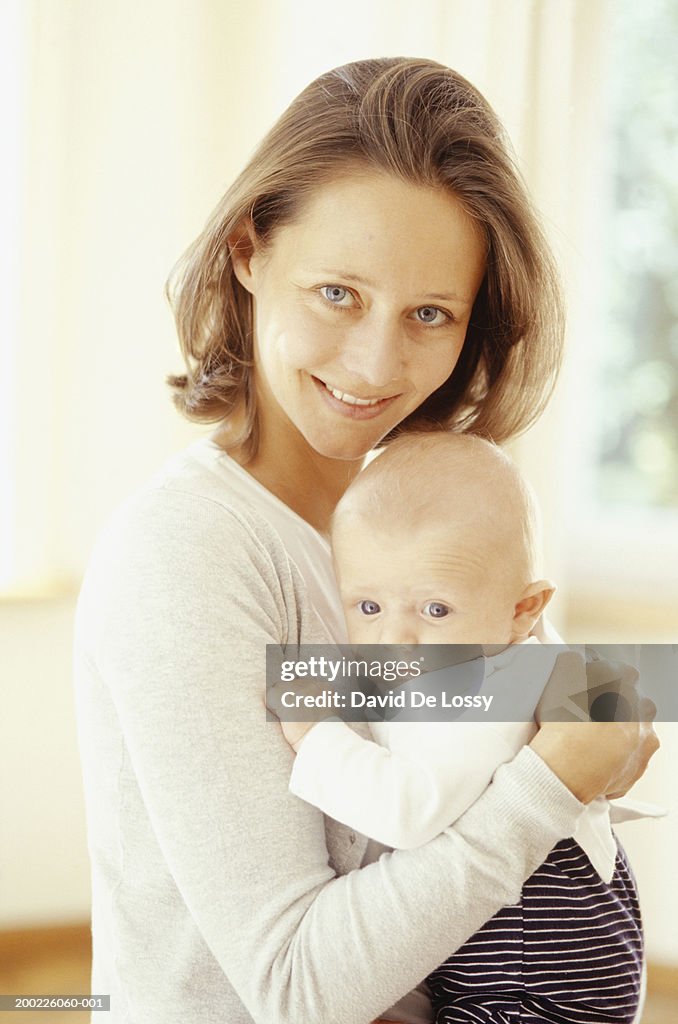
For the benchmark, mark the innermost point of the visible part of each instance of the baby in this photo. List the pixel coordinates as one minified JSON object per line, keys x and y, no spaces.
{"x":436,"y":542}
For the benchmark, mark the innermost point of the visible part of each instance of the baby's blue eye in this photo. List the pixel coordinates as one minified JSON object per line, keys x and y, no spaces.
{"x":436,"y":610}
{"x":431,"y":315}
{"x":335,"y":293}
{"x":369,"y":607}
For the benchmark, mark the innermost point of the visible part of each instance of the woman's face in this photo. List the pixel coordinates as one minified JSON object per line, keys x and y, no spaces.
{"x":360,"y":311}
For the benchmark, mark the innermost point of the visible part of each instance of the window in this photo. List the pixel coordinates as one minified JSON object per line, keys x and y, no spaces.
{"x":636,"y":440}
{"x":623,"y":393}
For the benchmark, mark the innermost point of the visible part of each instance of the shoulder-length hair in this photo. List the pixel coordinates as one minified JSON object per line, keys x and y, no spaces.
{"x":423,"y":122}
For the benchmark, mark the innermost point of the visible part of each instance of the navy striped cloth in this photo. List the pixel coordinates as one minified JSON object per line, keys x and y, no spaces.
{"x":569,"y":953}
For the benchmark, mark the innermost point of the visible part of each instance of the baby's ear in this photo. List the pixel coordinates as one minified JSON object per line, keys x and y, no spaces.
{"x":532,"y":602}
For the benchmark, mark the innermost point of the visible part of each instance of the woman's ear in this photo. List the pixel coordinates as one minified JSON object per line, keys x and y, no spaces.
{"x":242,"y":246}
{"x":532,"y":603}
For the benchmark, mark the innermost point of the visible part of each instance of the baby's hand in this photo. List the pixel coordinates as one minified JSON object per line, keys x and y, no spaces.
{"x":294,"y":732}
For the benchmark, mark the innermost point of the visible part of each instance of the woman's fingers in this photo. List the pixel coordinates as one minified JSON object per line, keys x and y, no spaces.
{"x":606,"y":755}
{"x":647,"y":746}
{"x":647,"y":709}
{"x":596,"y":758}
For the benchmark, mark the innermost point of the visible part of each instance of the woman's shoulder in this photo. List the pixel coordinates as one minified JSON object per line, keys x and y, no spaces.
{"x":194,"y":497}
{"x":202,"y":534}
{"x":181,"y":549}
{"x":186,"y":530}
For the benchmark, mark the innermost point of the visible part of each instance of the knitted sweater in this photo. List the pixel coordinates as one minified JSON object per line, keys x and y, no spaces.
{"x":217,"y":895}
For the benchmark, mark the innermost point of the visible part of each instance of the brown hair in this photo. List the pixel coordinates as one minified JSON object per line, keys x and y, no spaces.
{"x":425,"y":123}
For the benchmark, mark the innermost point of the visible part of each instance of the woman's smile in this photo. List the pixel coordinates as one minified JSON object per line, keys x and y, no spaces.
{"x":350,"y":405}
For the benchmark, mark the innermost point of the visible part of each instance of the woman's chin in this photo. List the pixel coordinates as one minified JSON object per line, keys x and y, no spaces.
{"x":344,"y":446}
{"x":342,"y":453}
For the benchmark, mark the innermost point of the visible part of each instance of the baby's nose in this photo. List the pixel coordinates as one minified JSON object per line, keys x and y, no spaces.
{"x":399,"y":630}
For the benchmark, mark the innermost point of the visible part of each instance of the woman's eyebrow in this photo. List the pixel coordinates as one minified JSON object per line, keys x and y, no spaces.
{"x":346,"y":275}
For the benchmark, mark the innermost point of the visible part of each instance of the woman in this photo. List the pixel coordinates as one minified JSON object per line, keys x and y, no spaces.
{"x":376,"y":266}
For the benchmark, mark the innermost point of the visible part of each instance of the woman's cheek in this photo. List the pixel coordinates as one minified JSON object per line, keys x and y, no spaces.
{"x":309,"y":342}
{"x":437,"y":366}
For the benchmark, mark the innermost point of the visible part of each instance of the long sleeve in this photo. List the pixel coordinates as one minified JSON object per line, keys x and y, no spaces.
{"x":406,"y":791}
{"x":213,"y":893}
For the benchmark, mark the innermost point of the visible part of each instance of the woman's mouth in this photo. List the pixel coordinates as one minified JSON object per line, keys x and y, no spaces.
{"x":353,"y":406}
{"x":343,"y":396}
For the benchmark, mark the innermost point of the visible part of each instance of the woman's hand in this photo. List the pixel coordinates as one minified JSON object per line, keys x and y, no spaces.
{"x":599,"y":758}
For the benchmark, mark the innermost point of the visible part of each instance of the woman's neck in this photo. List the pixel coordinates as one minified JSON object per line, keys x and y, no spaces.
{"x":308,"y":483}
{"x":311,"y":488}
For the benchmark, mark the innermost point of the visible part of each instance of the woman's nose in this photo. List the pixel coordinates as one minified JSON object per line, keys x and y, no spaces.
{"x":373,"y":351}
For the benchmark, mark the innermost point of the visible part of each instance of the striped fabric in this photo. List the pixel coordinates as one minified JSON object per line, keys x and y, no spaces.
{"x":569,"y":953}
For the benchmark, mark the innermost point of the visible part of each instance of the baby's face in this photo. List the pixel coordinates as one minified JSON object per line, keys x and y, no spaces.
{"x":443,"y":586}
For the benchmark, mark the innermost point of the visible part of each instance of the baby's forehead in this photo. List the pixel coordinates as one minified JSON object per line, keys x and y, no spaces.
{"x":426,"y":542}
{"x":455,"y":495}
{"x":433,"y":538}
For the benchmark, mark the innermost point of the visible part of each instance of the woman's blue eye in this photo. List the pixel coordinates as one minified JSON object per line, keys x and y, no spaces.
{"x":335,"y":294}
{"x":431,"y":315}
{"x":369,"y":607}
{"x":436,"y":610}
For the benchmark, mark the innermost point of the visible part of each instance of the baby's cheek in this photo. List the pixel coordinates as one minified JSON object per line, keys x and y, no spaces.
{"x":358,"y":633}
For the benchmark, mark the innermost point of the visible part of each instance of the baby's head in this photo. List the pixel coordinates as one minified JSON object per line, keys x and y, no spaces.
{"x":436,"y":541}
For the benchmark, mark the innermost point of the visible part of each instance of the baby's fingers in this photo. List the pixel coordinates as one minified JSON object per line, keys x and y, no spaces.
{"x":300,"y":700}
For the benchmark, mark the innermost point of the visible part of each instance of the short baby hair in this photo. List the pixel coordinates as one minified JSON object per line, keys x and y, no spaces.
{"x":423,"y":481}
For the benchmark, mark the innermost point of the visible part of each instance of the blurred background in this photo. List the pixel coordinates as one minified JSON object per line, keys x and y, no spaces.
{"x":123,"y":124}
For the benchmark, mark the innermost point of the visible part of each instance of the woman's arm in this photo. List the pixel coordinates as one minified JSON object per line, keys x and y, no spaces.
{"x":176,"y":611}
{"x":408,"y":790}
{"x":419,"y":776}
